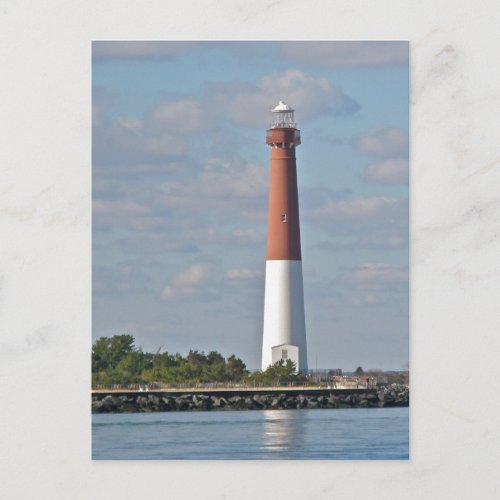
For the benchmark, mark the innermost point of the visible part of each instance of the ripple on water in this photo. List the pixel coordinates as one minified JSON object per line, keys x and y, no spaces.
{"x":339,"y":434}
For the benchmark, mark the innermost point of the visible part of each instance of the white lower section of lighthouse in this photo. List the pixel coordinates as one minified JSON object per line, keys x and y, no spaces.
{"x":284,"y":322}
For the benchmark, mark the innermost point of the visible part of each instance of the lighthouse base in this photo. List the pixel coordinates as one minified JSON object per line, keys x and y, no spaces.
{"x":284,"y":322}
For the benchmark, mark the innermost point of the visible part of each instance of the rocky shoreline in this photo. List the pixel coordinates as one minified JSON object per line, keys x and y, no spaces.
{"x":134,"y":402}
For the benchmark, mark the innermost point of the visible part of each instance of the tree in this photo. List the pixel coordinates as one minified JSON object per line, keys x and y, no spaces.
{"x":235,"y":368}
{"x":213,"y":357}
{"x":359,"y":371}
{"x":117,"y":360}
{"x":130,"y":368}
{"x":281,"y":371}
{"x":196,"y":358}
{"x":120,"y":346}
{"x":216,"y":372}
{"x":108,"y":352}
{"x":100,"y":354}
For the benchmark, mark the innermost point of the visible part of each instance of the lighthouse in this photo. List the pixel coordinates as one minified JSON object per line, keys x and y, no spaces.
{"x":284,"y":335}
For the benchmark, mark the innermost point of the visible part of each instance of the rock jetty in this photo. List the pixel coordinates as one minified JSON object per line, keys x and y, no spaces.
{"x":130,"y":402}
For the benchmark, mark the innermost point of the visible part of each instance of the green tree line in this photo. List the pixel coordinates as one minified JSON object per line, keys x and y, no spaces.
{"x":116,"y":360}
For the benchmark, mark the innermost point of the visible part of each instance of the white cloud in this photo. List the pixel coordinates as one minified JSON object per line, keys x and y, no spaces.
{"x":324,"y":53}
{"x":229,"y":191}
{"x":383,"y":142}
{"x":355,"y":223}
{"x":377,"y":274}
{"x":102,"y":101}
{"x":159,"y":242}
{"x":391,"y":171}
{"x":371,"y":299}
{"x":167,"y":131}
{"x":120,"y":213}
{"x":216,"y":236}
{"x":355,"y":208}
{"x":251,"y":105}
{"x":246,"y":236}
{"x":191,"y":276}
{"x":120,"y":279}
{"x":310,"y":96}
{"x":162,"y":145}
{"x":185,"y":115}
{"x":347,"y":54}
{"x":118,"y":208}
{"x":186,"y":283}
{"x":216,"y":186}
{"x":132,"y":141}
{"x":224,"y":179}
{"x":244,"y":274}
{"x":359,"y":299}
{"x":109,"y":50}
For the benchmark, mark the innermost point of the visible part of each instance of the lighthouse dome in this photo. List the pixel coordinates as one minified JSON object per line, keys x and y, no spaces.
{"x":282,"y":106}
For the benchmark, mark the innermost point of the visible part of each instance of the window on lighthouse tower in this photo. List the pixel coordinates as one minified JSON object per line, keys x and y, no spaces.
{"x":283,"y":217}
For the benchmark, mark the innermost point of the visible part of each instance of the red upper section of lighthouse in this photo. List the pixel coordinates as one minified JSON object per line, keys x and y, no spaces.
{"x":283,"y":237}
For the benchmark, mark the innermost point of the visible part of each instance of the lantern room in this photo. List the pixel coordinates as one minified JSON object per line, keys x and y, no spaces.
{"x":282,"y":116}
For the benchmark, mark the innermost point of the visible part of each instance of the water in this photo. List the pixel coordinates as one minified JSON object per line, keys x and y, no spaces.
{"x":339,"y":434}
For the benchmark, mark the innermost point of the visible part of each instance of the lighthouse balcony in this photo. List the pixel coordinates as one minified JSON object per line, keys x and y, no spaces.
{"x":283,"y":137}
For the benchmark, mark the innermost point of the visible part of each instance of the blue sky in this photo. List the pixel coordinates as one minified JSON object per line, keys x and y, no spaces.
{"x":180,"y":175}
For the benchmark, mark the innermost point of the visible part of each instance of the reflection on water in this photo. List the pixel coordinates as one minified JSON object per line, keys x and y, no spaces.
{"x":317,"y":434}
{"x":282,"y":430}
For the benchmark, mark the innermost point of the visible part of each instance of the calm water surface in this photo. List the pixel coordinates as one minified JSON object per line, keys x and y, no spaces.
{"x":339,"y":434}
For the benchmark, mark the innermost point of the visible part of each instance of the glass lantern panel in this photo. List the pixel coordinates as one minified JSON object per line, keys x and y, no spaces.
{"x":283,"y":119}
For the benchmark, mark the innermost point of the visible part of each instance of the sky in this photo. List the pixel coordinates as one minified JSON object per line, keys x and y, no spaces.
{"x":180,"y":174}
